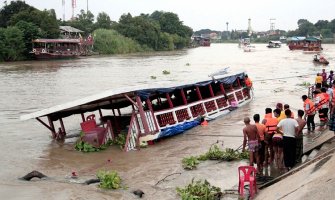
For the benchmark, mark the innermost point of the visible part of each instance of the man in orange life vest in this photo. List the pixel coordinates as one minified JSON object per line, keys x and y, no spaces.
{"x":271,"y":127}
{"x":323,"y":107}
{"x":248,"y":83}
{"x":309,"y":109}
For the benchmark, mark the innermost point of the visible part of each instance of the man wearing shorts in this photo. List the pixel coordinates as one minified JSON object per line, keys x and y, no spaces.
{"x":250,"y":134}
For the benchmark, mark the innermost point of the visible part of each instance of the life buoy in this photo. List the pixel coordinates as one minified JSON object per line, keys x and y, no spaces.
{"x":34,"y":50}
{"x":43,"y":51}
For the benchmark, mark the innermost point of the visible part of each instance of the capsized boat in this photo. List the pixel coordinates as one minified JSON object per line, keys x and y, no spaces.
{"x":147,"y":113}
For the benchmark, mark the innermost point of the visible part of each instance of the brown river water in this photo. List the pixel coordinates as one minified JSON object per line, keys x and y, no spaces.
{"x":31,"y":86}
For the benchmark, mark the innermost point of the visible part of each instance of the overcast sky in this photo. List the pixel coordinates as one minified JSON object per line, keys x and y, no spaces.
{"x":208,"y":14}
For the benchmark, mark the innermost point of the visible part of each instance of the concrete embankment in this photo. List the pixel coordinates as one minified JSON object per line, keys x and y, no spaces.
{"x":314,"y":179}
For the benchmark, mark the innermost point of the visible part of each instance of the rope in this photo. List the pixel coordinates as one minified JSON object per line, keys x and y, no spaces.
{"x":278,"y":78}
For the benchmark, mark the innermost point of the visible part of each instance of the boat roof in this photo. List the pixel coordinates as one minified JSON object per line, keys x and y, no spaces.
{"x":275,"y":42}
{"x":297,"y":38}
{"x":57,"y":40}
{"x":115,"y":98}
{"x":69,"y":29}
{"x":313,"y":39}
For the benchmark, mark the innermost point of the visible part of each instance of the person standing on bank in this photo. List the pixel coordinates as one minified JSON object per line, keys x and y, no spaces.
{"x":309,"y":109}
{"x":289,"y":128}
{"x":299,"y":138}
{"x":250,"y":134}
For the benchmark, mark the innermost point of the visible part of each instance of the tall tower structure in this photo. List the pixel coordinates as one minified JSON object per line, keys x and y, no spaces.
{"x":272,"y":26}
{"x":63,"y":5}
{"x":249,"y":27}
{"x":227,"y":23}
{"x":74,"y":5}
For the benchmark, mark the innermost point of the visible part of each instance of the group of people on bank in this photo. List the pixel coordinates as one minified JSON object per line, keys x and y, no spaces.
{"x":278,"y":138}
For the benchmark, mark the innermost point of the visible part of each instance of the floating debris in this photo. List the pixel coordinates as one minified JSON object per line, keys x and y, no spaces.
{"x":165,"y":72}
{"x":153,"y":77}
{"x":188,"y":64}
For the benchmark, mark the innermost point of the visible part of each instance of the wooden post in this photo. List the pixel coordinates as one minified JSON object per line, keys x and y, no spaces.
{"x":62,"y":125}
{"x":82,"y":116}
{"x":198,"y":92}
{"x":100,"y":113}
{"x":118,"y":111}
{"x":152,"y":112}
{"x":169,"y":100}
{"x":222,"y":88}
{"x":183,"y":96}
{"x":211,"y":90}
{"x":238,"y":81}
{"x":142,"y":114}
{"x":52,"y":126}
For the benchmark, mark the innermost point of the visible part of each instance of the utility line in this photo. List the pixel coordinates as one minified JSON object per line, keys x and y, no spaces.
{"x":278,"y":78}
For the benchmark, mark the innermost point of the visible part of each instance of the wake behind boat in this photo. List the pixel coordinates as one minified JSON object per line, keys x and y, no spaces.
{"x":148,"y":113}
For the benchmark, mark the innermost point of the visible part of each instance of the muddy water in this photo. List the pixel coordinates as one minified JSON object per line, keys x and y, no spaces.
{"x":30,"y":86}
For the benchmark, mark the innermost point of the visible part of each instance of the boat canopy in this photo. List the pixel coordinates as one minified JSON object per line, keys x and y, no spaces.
{"x":56,"y":41}
{"x":313,"y":39}
{"x":275,"y":42}
{"x":296,"y":38}
{"x":119,"y":98}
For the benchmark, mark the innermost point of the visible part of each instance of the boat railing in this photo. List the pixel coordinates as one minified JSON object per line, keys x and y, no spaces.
{"x":132,"y":140}
{"x":136,"y":129}
{"x":204,"y":107}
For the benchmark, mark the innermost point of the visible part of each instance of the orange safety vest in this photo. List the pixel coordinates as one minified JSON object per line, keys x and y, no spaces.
{"x":311,"y":107}
{"x":248,"y":82}
{"x":204,"y":123}
{"x":271,"y":123}
{"x":322,"y":101}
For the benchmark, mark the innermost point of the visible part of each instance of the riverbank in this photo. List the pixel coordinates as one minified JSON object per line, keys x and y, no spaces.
{"x":313,"y":180}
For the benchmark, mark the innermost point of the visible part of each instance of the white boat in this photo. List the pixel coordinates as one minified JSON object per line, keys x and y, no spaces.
{"x":274,"y":44}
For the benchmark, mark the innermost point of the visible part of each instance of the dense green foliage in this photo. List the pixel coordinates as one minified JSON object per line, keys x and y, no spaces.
{"x":21,"y":23}
{"x":190,"y":162}
{"x":85,"y":147}
{"x":111,"y":42}
{"x":199,"y":190}
{"x":109,"y":180}
{"x":158,"y":31}
{"x":214,"y":153}
{"x":11,"y":43}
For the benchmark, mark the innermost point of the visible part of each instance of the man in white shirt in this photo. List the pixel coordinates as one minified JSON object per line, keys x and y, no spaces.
{"x":289,"y":128}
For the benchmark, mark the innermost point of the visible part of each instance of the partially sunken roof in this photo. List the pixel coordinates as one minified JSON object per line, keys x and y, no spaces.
{"x":70,"y":29}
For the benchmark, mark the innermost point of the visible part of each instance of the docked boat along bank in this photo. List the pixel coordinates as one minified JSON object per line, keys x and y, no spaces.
{"x":34,"y":86}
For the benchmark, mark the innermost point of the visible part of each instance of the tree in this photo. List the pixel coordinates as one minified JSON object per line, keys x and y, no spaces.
{"x":11,"y":44}
{"x":84,"y":22}
{"x":144,"y":31}
{"x":305,"y":27}
{"x":45,"y":20}
{"x":30,"y":32}
{"x":103,"y":21}
{"x":13,"y":8}
{"x":321,"y":24}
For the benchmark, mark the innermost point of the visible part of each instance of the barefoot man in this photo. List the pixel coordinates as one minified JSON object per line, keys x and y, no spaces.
{"x":250,"y":134}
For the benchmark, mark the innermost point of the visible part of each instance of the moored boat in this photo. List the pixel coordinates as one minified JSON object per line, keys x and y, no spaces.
{"x":56,"y":48}
{"x":149,"y":113}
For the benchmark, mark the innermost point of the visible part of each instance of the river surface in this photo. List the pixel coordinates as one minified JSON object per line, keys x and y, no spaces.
{"x":31,"y":86}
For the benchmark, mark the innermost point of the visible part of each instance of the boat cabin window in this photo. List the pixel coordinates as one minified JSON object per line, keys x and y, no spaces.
{"x":191,"y":95}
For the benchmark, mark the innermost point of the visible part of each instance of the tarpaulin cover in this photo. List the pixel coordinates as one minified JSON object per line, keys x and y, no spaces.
{"x":175,"y":130}
{"x":145,"y":94}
